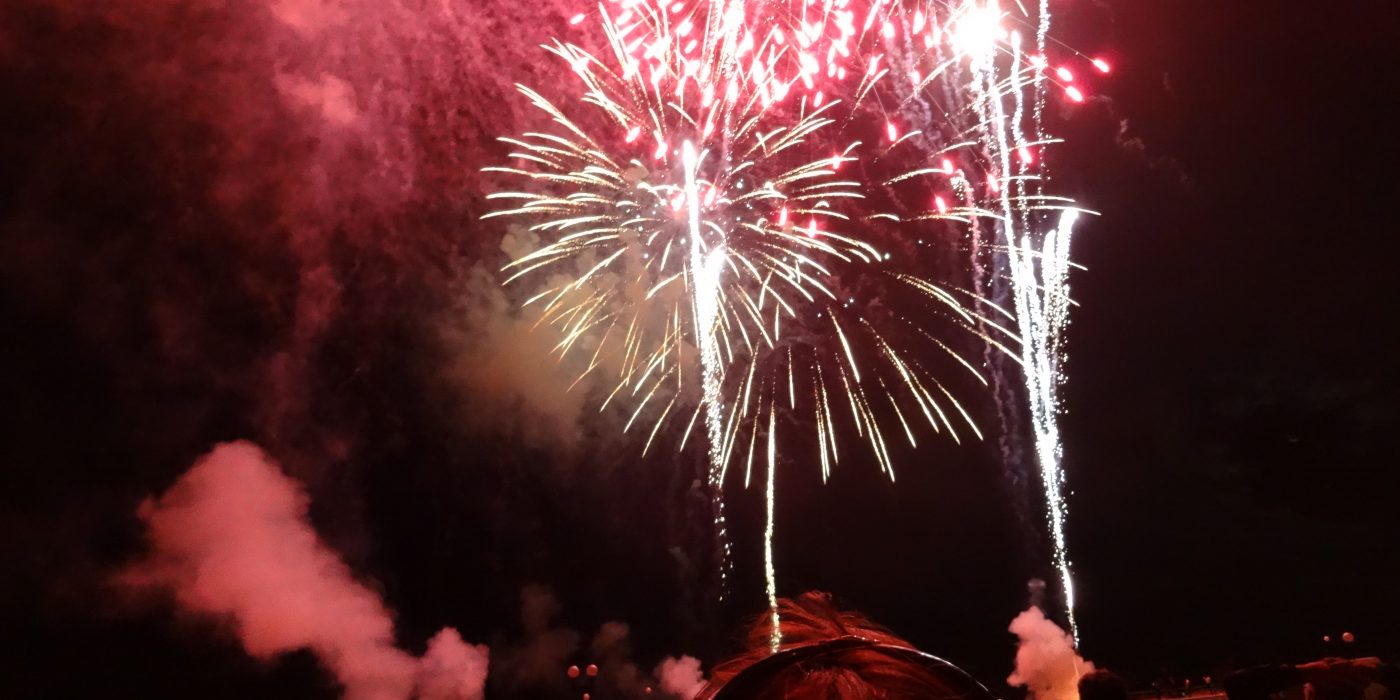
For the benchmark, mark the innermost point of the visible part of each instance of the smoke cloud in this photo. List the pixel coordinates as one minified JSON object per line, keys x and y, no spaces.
{"x":452,"y":669}
{"x":281,"y":189}
{"x":260,"y":218}
{"x":537,"y":663}
{"x":681,"y":677}
{"x":507,"y":356}
{"x":618,"y":676}
{"x":231,"y":540}
{"x":1047,"y":665}
{"x":501,"y":359}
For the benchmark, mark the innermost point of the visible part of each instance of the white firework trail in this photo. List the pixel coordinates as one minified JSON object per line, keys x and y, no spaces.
{"x":707,"y":267}
{"x":1038,"y":273}
{"x":770,"y":572}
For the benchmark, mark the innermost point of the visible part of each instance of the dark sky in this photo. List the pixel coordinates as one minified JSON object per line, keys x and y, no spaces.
{"x":1229,"y":419}
{"x":185,"y":258}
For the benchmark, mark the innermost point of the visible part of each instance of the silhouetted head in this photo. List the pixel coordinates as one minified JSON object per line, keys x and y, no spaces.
{"x":1102,"y":685}
{"x":831,"y":654}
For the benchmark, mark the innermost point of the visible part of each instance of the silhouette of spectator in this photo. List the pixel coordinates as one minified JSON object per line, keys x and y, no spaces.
{"x":1102,"y":685}
{"x":831,"y":654}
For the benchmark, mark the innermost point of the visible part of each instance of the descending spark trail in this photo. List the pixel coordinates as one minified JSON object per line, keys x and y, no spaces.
{"x":727,"y":203}
{"x":770,"y":571}
{"x":1042,"y":305}
{"x":707,"y":271}
{"x":1038,"y":275}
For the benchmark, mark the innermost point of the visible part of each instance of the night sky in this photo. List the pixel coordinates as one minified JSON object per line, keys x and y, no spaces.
{"x":204,"y":238}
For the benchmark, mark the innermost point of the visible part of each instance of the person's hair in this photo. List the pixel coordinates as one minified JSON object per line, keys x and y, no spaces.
{"x":1102,"y":685}
{"x":833,"y":654}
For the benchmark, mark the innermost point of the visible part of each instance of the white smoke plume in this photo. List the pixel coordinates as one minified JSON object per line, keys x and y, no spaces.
{"x":1047,"y":665}
{"x":680,"y":677}
{"x":231,"y":540}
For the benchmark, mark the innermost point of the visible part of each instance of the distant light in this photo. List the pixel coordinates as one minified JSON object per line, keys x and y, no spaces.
{"x":576,"y":18}
{"x":1074,"y":94}
{"x":1102,"y":66}
{"x":1064,"y":74}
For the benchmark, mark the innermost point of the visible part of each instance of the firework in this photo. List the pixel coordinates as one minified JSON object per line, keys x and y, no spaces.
{"x":1035,"y":231}
{"x":723,"y":190}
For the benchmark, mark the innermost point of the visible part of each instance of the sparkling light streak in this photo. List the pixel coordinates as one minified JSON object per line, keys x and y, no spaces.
{"x":707,"y":270}
{"x":1037,"y":262}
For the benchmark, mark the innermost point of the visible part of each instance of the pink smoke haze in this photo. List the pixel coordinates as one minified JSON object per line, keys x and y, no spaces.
{"x":681,"y":677}
{"x":1047,"y":665}
{"x":452,"y":669}
{"x":231,"y":540}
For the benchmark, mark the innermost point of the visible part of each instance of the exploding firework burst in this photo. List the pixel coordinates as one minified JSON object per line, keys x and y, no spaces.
{"x":724,"y":205}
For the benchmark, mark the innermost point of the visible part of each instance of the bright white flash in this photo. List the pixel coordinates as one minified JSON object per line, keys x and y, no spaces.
{"x":977,"y":32}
